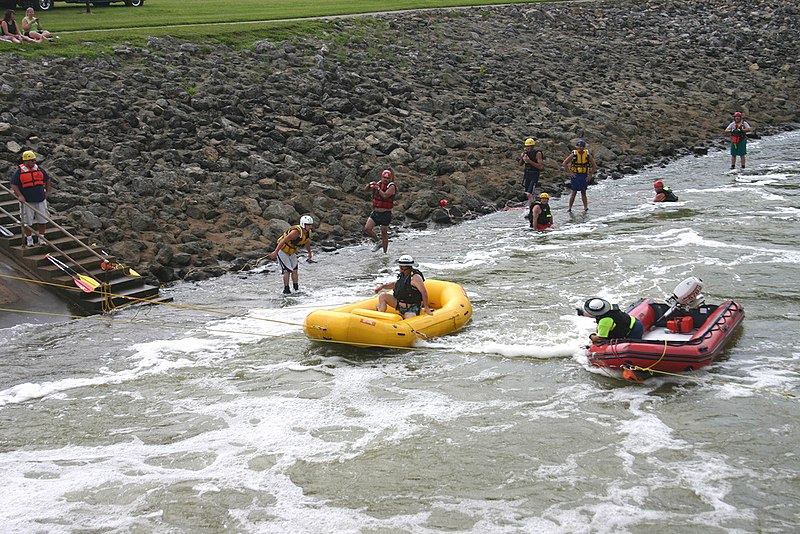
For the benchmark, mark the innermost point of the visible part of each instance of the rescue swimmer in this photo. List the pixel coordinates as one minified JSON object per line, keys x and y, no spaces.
{"x":539,"y":215}
{"x":663,"y":193}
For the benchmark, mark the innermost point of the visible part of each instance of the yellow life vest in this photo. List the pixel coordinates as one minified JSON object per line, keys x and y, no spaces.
{"x":290,"y":247}
{"x":580,"y":162}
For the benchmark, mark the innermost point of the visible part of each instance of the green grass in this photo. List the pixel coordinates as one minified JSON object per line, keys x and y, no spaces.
{"x":107,"y":27}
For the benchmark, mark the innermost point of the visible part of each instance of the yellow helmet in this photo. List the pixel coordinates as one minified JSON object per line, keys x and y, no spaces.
{"x":28,"y":155}
{"x":544,"y":195}
{"x":530,"y":141}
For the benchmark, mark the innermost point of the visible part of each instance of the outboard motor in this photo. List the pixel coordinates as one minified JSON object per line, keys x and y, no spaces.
{"x":687,"y":294}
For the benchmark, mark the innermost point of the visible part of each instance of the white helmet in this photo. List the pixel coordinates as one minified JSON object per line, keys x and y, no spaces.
{"x":306,"y":219}
{"x":406,"y":259}
{"x":597,"y":306}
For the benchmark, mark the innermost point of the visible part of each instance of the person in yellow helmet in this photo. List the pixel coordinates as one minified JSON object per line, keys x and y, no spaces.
{"x":541,"y":218}
{"x":531,"y":159}
{"x":31,"y":186}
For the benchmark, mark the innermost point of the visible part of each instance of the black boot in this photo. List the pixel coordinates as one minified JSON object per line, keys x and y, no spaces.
{"x":286,"y":290}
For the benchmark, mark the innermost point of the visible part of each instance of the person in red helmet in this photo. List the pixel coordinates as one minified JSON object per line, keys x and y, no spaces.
{"x":738,"y":129}
{"x":663,"y":193}
{"x":383,"y":193}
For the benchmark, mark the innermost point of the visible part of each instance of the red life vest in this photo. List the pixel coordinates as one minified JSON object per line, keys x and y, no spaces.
{"x":378,"y":201}
{"x":30,"y":177}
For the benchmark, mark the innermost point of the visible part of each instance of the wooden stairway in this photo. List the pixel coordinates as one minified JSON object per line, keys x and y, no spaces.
{"x":119,"y":287}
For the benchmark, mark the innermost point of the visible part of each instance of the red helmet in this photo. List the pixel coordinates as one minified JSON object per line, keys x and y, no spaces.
{"x":658,"y":184}
{"x":737,"y":114}
{"x":443,"y":202}
{"x":386,"y":174}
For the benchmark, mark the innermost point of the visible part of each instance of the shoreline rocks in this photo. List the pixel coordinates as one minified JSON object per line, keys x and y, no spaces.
{"x":180,"y":156}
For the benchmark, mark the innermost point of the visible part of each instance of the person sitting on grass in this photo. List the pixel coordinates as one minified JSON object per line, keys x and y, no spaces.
{"x":38,"y":34}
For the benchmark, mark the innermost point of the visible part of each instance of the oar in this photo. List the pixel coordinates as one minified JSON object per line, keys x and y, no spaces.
{"x":87,"y":284}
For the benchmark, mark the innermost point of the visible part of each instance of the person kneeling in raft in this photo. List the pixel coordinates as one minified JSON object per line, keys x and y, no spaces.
{"x":612,"y":323}
{"x":409,"y":295}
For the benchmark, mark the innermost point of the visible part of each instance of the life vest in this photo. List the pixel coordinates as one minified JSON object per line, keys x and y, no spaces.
{"x":404,"y":291}
{"x":580,"y":162}
{"x":545,"y":218}
{"x":622,"y":323}
{"x":30,"y":177}
{"x":533,"y":157}
{"x":669,"y":196}
{"x":737,"y":132}
{"x":383,"y":203}
{"x":290,"y":247}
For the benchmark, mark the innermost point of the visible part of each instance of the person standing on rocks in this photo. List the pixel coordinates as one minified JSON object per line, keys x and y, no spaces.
{"x":286,"y":251}
{"x":738,"y":129}
{"x":531,"y":160}
{"x":581,"y":167}
{"x":31,"y":186}
{"x":383,"y":194}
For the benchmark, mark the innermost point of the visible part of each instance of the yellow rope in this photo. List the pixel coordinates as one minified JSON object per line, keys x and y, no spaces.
{"x":106,"y":318}
{"x":42,"y":282}
{"x":245,"y":267}
{"x":715,"y":381}
{"x":650,"y":368}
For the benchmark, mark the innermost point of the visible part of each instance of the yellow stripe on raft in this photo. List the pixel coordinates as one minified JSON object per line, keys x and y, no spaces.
{"x":359,"y":324}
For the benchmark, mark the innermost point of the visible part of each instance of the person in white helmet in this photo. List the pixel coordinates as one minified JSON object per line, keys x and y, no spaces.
{"x":612,"y":323}
{"x":286,"y":251}
{"x":409,"y":295}
{"x":31,"y":186}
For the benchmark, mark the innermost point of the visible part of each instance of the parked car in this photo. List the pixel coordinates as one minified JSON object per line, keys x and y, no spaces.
{"x":44,"y":5}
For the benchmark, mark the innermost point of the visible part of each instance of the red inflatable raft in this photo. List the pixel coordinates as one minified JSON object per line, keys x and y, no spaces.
{"x":675,"y":341}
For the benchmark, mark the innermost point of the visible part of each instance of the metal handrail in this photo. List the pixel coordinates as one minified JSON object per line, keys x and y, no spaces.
{"x":50,"y":220}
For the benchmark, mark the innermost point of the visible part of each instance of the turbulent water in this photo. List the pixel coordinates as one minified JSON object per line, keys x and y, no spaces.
{"x":218,"y":415}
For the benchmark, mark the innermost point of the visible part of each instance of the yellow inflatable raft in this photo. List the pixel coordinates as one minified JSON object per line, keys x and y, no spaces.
{"x":359,"y":324}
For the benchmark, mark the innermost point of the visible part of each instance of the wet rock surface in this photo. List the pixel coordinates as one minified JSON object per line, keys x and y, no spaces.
{"x":180,"y":156}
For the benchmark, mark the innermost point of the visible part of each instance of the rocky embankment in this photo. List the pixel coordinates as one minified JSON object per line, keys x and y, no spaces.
{"x":182,"y":155}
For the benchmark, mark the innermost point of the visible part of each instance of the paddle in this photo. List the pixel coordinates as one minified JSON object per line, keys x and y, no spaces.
{"x":87,"y":284}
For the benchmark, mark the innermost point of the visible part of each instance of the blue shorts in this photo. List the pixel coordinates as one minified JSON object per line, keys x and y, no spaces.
{"x":578,"y":182}
{"x":381,"y":218}
{"x":637,"y":331}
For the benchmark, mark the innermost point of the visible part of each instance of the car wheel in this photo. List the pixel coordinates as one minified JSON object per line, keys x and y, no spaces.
{"x":134,"y":3}
{"x":44,"y":5}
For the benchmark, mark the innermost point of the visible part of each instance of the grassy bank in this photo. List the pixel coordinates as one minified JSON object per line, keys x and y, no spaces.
{"x":233,"y":22}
